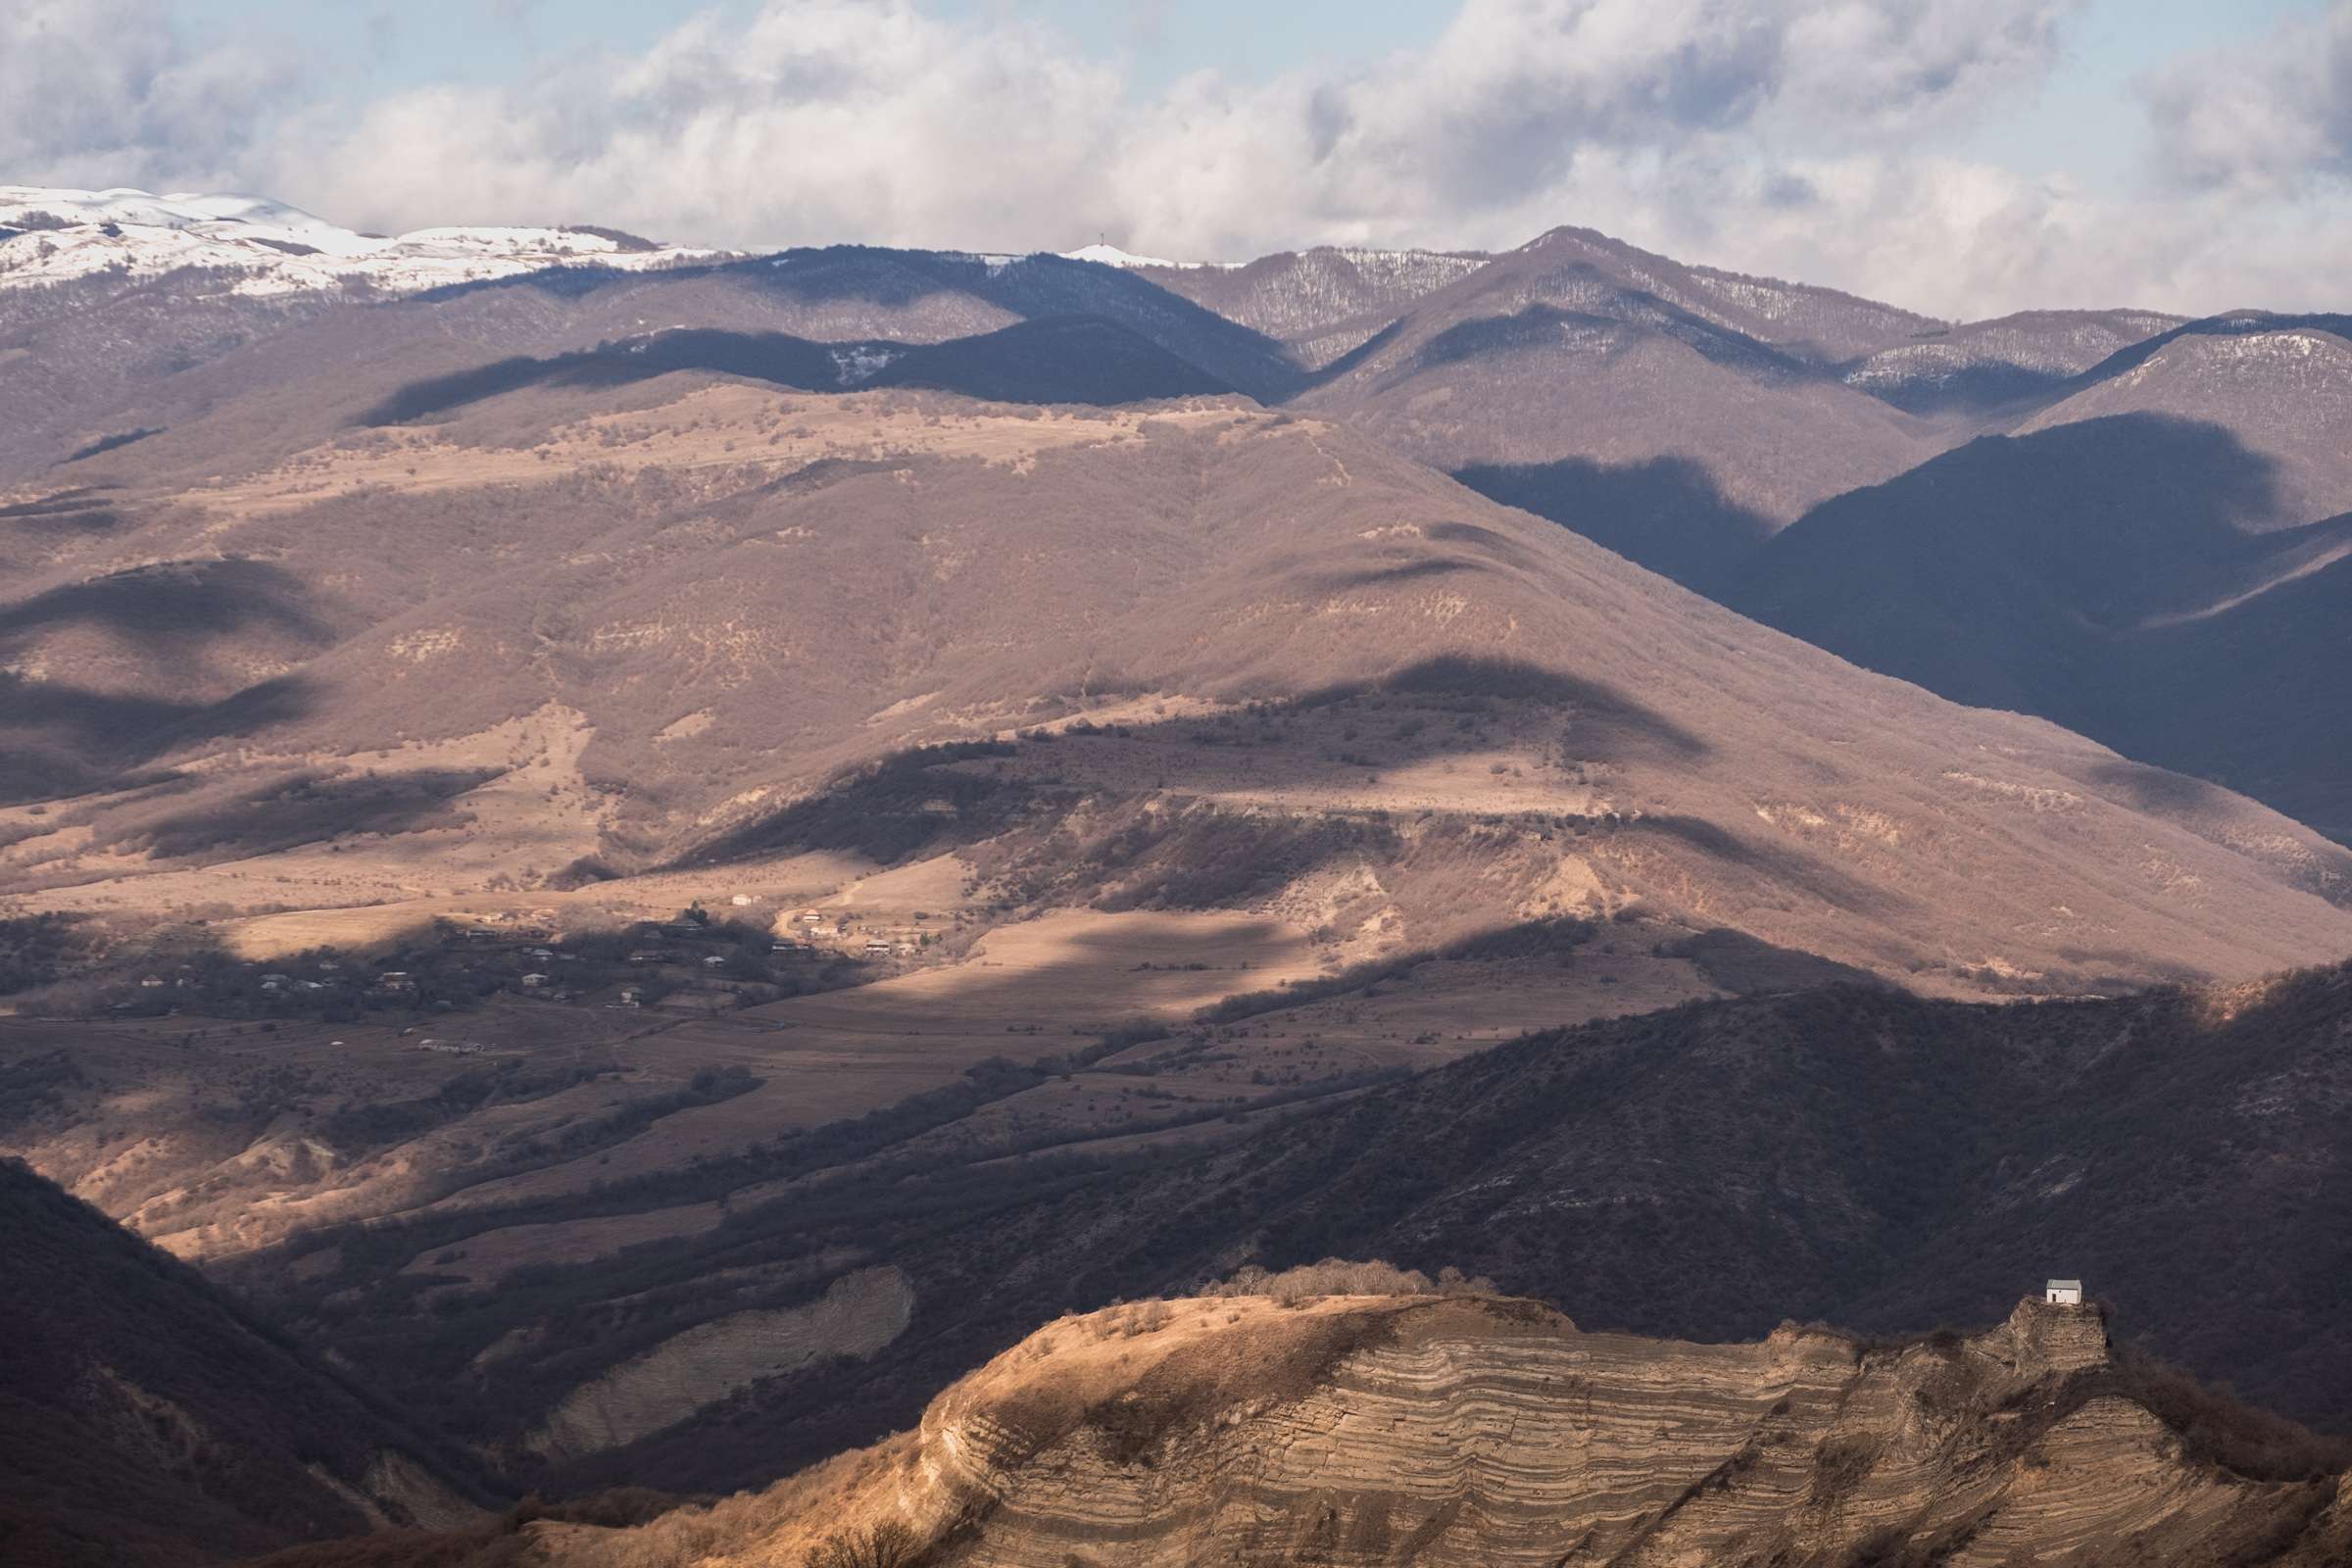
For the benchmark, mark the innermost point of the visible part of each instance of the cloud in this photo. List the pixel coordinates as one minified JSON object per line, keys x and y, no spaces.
{"x":2272,"y":118}
{"x":875,"y":119}
{"x":1522,"y":104}
{"x":106,"y":92}
{"x":820,"y":120}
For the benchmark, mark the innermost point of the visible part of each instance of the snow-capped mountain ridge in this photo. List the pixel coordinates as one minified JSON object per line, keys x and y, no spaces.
{"x":1112,"y":255}
{"x":53,"y":235}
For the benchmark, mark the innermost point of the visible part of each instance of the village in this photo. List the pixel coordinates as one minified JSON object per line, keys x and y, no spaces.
{"x":696,"y":961}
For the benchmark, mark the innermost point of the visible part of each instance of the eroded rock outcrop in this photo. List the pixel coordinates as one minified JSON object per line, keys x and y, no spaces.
{"x":1442,"y":1431}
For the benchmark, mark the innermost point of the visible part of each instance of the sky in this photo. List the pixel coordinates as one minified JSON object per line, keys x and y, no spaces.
{"x":1961,"y":157}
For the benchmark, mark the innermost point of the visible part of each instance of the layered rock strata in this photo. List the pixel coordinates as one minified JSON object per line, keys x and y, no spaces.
{"x":1436,"y":1431}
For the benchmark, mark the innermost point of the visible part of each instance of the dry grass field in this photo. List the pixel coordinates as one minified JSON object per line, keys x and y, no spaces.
{"x":1219,"y":697}
{"x":729,"y":432}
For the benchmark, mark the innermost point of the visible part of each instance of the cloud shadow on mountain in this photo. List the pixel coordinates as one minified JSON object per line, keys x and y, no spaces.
{"x":1968,"y":389}
{"x":1034,"y":288}
{"x":59,"y":739}
{"x":1666,"y":513}
{"x":1079,"y":360}
{"x":1540,"y":325}
{"x":268,"y":815}
{"x":1783,"y":863}
{"x":87,"y":510}
{"x":919,"y":802}
{"x":172,"y":602}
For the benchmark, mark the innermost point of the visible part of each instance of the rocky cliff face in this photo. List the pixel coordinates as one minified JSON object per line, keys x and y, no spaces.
{"x":1437,"y":1431}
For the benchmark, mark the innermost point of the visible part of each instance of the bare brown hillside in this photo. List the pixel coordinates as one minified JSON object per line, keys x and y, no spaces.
{"x":1367,"y":1429}
{"x":712,"y":601}
{"x":1662,"y":391}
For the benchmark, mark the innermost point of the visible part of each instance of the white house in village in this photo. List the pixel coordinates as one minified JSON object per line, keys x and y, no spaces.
{"x":2063,"y":1292}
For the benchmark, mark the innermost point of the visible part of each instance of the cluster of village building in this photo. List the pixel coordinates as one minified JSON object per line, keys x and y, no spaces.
{"x":690,"y":961}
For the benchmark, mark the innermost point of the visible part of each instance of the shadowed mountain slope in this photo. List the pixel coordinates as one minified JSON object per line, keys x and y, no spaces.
{"x":1060,"y":359}
{"x":1863,"y":1157}
{"x":1866,"y":1156}
{"x":2119,"y":576}
{"x":145,"y":1420}
{"x":1999,"y":365}
{"x":2281,"y":385}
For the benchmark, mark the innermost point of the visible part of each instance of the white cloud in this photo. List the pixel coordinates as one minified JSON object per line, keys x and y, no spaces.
{"x":821,"y":120}
{"x":2270,"y":117}
{"x":1527,"y":113}
{"x":106,"y":92}
{"x":1972,"y":239}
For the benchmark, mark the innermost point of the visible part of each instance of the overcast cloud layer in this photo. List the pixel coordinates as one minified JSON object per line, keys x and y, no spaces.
{"x":1795,"y":137}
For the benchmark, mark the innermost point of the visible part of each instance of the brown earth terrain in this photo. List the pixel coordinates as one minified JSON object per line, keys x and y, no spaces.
{"x":1167,"y":707}
{"x":1328,"y":710}
{"x":662,"y":865}
{"x":1851,"y":1152}
{"x":1322,"y":647}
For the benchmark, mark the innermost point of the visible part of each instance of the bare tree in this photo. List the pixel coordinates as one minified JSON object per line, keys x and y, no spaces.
{"x":888,"y":1545}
